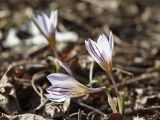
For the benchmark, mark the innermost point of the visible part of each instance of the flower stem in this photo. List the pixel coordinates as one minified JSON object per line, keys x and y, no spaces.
{"x":114,"y":84}
{"x":56,"y":57}
{"x":91,"y":73}
{"x":120,"y":99}
{"x":93,"y":90}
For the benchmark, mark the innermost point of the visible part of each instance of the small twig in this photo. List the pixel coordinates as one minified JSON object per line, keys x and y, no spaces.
{"x":79,"y":114}
{"x":124,"y":71}
{"x":153,"y":107}
{"x":41,"y":105}
{"x":34,"y":86}
{"x":92,"y":108}
{"x":39,"y":92}
{"x":43,"y":100}
{"x":144,"y":110}
{"x":142,"y":77}
{"x":73,"y":114}
{"x":92,"y":115}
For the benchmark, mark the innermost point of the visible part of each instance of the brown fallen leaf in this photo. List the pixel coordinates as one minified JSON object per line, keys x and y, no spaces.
{"x":8,"y":98}
{"x":26,"y":116}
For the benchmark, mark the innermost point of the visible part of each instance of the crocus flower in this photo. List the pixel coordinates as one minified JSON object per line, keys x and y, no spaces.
{"x":66,"y":86}
{"x":47,"y":26}
{"x":101,"y":51}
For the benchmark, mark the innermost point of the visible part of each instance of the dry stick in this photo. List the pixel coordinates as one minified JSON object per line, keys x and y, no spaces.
{"x":92,"y":115}
{"x":73,"y":114}
{"x":34,"y":86}
{"x":43,"y":101}
{"x":143,"y":110}
{"x":41,"y":105}
{"x":79,"y":116}
{"x":92,"y":108}
{"x":124,"y":71}
{"x":153,"y":107}
{"x":141,"y":78}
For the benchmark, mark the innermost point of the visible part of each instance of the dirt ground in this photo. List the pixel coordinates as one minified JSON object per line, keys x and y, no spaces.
{"x":26,"y":59}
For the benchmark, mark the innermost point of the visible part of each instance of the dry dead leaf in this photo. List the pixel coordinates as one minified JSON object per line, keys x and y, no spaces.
{"x":26,"y":116}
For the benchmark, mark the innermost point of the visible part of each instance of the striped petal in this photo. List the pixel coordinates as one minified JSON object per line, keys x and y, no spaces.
{"x":47,"y":25}
{"x":44,"y":23}
{"x":56,"y":98}
{"x":101,"y":51}
{"x":66,"y":67}
{"x":65,"y":86}
{"x":54,"y":18}
{"x":95,"y":52}
{"x":111,"y":43}
{"x":103,"y":43}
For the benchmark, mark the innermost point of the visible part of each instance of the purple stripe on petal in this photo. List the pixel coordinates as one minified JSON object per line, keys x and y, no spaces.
{"x":58,"y":94}
{"x":101,"y":56}
{"x":69,"y":94}
{"x":97,"y":59}
{"x":93,"y":50}
{"x":56,"y":87}
{"x":42,"y":25}
{"x":56,"y":98}
{"x":38,"y":25}
{"x":42,"y":22}
{"x":66,"y":67}
{"x":60,"y":90}
{"x":45,"y":22}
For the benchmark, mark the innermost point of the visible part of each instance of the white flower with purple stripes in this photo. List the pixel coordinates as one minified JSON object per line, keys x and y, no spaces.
{"x":47,"y":25}
{"x":65,"y":86}
{"x":101,"y":51}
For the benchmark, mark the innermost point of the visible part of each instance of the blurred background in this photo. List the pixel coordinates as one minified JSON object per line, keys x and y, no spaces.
{"x":134,"y":23}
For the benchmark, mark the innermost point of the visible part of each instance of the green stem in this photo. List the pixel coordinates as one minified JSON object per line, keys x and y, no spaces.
{"x":56,"y":57}
{"x":114,"y":84}
{"x":120,"y":99}
{"x":121,"y":105}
